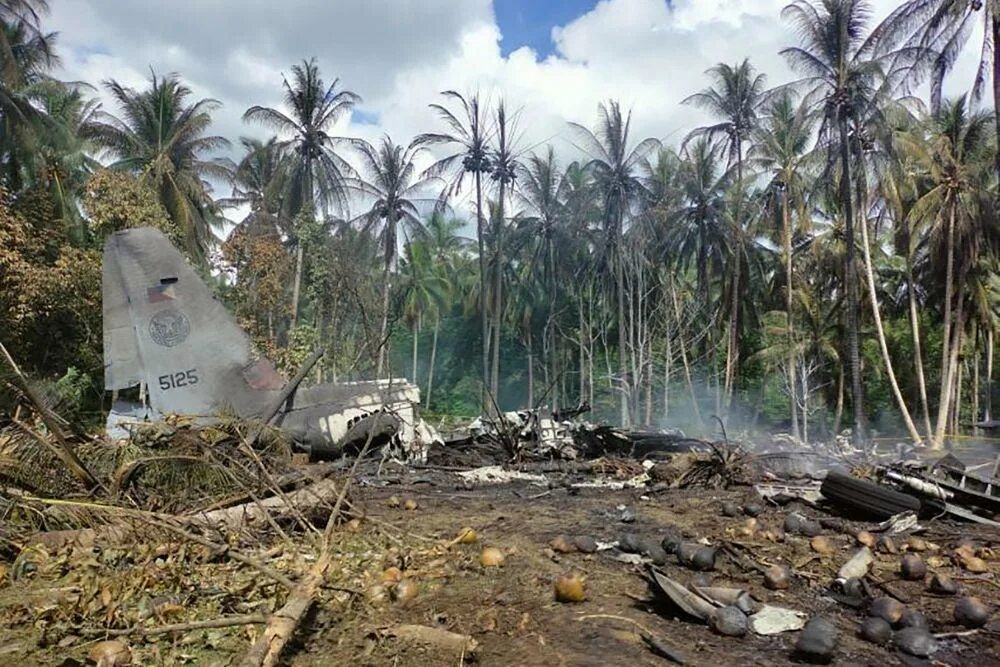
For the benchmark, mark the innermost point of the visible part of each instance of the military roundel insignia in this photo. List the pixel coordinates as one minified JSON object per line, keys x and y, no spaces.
{"x":169,"y":327}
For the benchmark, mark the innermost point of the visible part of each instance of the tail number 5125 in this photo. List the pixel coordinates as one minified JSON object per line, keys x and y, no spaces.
{"x":178,"y":379}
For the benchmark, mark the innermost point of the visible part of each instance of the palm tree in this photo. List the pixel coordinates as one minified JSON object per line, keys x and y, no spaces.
{"x":734,"y":98}
{"x":426,"y":294}
{"x":63,"y":156}
{"x":162,"y":138}
{"x":27,"y":14}
{"x":953,"y":161}
{"x":445,"y":248}
{"x":699,"y":232}
{"x":539,"y":190}
{"x":391,"y":184}
{"x":898,"y":191}
{"x":315,"y":173}
{"x":781,"y":153}
{"x":29,"y":57}
{"x":469,"y":133}
{"x":615,"y":166}
{"x":504,"y":167}
{"x":939,"y":30}
{"x":258,"y":180}
{"x":843,"y":74}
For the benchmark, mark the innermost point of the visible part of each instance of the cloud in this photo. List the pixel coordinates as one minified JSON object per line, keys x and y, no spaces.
{"x":398,"y":54}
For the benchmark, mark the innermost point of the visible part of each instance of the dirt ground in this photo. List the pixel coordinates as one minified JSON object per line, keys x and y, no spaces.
{"x":510,"y":610}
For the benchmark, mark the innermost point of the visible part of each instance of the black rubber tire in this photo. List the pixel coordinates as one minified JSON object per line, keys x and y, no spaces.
{"x":866,"y":497}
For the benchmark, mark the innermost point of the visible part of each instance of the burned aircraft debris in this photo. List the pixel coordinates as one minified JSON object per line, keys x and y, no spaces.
{"x":165,"y":333}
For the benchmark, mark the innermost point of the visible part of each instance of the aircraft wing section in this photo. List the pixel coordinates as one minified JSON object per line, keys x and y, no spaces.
{"x":163,"y":326}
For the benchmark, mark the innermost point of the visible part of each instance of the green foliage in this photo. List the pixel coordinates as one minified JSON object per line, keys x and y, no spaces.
{"x":50,"y":290}
{"x":730,"y":244}
{"x":116,"y":200}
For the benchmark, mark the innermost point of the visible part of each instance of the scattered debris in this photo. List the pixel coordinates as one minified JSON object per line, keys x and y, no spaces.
{"x":771,"y":620}
{"x":857,"y":566}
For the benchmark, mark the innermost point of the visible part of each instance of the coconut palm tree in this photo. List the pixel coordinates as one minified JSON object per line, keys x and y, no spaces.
{"x":781,"y":153}
{"x":315,"y":172}
{"x":468,"y":132}
{"x":734,"y":98}
{"x":445,"y":248}
{"x":940,"y":31}
{"x":391,"y":186}
{"x":844,"y":75}
{"x":63,"y":155}
{"x":26,"y":13}
{"x":615,"y":165}
{"x":504,"y":163}
{"x":162,"y":138}
{"x":29,"y":58}
{"x":258,"y":181}
{"x":540,"y":193}
{"x":953,"y":158}
{"x":426,"y":291}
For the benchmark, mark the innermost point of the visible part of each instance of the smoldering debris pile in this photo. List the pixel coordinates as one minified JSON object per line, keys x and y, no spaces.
{"x":208,"y":540}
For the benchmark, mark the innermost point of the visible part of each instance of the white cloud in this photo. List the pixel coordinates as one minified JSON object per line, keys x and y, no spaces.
{"x":398,"y":54}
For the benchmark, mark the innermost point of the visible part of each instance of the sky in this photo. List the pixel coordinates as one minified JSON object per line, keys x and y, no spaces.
{"x":552,"y":60}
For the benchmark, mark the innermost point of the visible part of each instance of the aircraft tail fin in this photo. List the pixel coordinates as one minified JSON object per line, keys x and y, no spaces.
{"x":163,"y":327}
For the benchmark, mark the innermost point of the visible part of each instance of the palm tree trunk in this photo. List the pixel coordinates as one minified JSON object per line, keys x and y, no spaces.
{"x":497,"y":297}
{"x":649,"y":393}
{"x":949,"y":278}
{"x":590,"y":341}
{"x":995,"y":27}
{"x":430,"y":371}
{"x":669,"y":354}
{"x":786,"y":223}
{"x":383,"y":340}
{"x":850,"y":279}
{"x":880,"y":333}
{"x":975,"y":378}
{"x":918,"y":352}
{"x":531,"y":371}
{"x":622,"y":353}
{"x":988,"y":413}
{"x":484,"y":317}
{"x":684,"y":358}
{"x":956,"y":415}
{"x":805,"y":405}
{"x":732,"y":347}
{"x":838,"y":414}
{"x":296,"y":284}
{"x":582,"y":351}
{"x":416,"y":336}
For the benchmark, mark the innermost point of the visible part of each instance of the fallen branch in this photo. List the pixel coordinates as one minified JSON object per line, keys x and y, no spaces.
{"x":61,"y":449}
{"x":230,"y":518}
{"x":280,"y":628}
